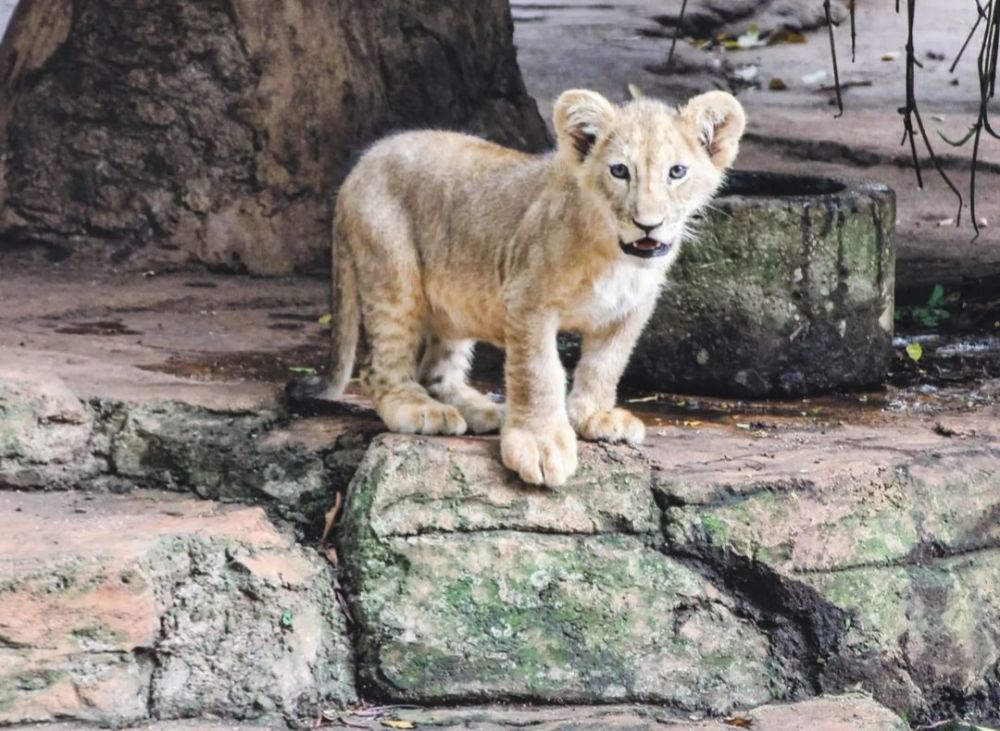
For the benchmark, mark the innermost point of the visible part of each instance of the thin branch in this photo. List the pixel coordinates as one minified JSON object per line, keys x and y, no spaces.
{"x":911,"y":113}
{"x":854,"y":32}
{"x":965,"y":45}
{"x":833,"y":53}
{"x":677,"y":32}
{"x":987,"y":67}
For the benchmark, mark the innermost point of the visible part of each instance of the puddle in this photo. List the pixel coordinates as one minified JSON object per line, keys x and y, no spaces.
{"x":257,"y":367}
{"x":694,"y":411}
{"x":311,"y":317}
{"x":954,"y":375}
{"x":97,"y":327}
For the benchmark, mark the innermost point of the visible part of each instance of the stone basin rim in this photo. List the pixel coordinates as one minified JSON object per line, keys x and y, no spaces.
{"x":757,"y":185}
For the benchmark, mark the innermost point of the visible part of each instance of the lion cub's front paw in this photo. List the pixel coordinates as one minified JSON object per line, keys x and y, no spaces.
{"x":423,"y":417}
{"x":542,"y":456}
{"x":613,"y":425}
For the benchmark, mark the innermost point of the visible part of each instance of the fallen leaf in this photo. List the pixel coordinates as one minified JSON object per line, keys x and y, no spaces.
{"x":395,"y":723}
{"x":786,"y":36}
{"x":286,"y":618}
{"x":750,"y":39}
{"x":845,"y":85}
{"x":817,"y":77}
{"x":325,"y":319}
{"x":777,"y":84}
{"x":890,"y":56}
{"x":635,"y":92}
{"x":946,"y":222}
{"x":305,"y":370}
{"x":330,"y":516}
{"x":643,"y":399}
{"x":746,"y":74}
{"x":946,"y":431}
{"x":738,"y":721}
{"x":915,"y":351}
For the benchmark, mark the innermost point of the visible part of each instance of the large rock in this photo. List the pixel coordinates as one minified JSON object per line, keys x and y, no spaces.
{"x":45,"y":432}
{"x":884,"y":552}
{"x":115,"y":609}
{"x":468,"y":585}
{"x":787,"y":289}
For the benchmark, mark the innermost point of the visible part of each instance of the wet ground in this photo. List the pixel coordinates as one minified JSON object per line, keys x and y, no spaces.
{"x":234,"y":342}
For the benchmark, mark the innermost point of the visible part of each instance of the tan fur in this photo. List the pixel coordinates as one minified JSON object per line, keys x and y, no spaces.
{"x":445,"y":239}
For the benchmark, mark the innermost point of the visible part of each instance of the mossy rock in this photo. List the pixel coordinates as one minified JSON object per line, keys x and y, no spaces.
{"x":485,"y":589}
{"x":894,"y":569}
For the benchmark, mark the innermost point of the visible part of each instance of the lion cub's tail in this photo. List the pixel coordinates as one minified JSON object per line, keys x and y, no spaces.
{"x":345,"y":308}
{"x":345,"y":327}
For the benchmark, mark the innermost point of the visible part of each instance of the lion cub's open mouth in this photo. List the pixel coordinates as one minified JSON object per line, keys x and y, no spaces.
{"x":645,"y":248}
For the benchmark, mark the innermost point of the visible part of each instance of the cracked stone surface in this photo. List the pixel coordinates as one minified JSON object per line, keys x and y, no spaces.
{"x":888,"y":543}
{"x":832,"y":557}
{"x":557,"y":596}
{"x":114,"y":609}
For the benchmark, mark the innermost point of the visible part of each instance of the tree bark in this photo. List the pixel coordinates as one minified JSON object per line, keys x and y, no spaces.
{"x":216,"y":131}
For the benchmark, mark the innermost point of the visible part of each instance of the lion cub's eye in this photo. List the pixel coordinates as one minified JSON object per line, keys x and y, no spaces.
{"x":619,"y":171}
{"x":678,"y":171}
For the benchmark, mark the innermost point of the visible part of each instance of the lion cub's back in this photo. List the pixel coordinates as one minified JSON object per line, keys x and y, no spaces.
{"x":436,"y":175}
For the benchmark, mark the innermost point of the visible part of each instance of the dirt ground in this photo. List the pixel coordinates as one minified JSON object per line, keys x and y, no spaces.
{"x":609,"y":45}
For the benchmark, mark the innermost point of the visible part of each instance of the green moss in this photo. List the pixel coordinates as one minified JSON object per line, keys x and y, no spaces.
{"x":96,"y":634}
{"x":37,"y":680}
{"x":715,"y":528}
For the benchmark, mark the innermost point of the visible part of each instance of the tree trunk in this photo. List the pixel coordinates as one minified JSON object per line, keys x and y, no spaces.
{"x":216,"y":131}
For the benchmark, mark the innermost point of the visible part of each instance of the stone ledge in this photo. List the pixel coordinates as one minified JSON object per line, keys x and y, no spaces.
{"x":115,"y":609}
{"x":828,"y":713}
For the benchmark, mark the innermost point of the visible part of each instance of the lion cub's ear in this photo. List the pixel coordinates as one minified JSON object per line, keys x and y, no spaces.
{"x":719,"y":121}
{"x":579,"y":117}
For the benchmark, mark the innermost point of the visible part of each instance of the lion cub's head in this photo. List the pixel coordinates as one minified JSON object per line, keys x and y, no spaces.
{"x":654,"y":165}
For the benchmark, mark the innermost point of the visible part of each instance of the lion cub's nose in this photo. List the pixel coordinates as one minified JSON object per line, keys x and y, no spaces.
{"x":647,"y":228}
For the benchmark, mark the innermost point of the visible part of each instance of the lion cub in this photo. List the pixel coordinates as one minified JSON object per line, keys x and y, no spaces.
{"x":441,"y":239}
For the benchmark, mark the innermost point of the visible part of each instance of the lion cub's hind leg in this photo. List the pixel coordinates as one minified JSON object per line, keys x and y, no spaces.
{"x":402,"y":403}
{"x":444,"y":371}
{"x":393,"y":314}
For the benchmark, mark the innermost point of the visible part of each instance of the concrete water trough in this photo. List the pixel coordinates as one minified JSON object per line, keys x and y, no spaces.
{"x":786,"y":290}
